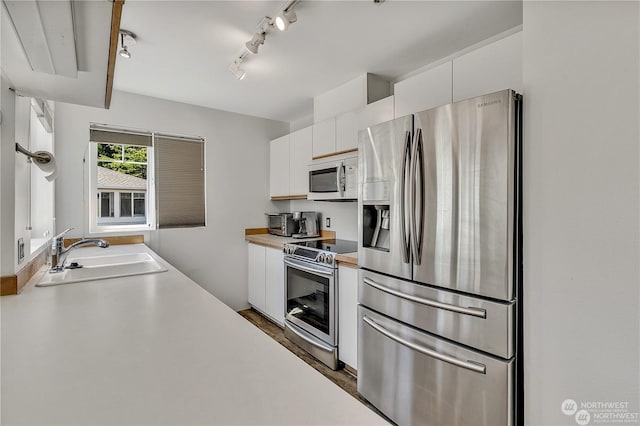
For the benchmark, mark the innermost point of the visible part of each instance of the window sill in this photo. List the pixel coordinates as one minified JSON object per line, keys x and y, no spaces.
{"x":110,"y":229}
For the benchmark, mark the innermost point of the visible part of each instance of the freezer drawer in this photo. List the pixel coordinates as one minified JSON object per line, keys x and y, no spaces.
{"x":479,"y":323}
{"x":416,"y":378}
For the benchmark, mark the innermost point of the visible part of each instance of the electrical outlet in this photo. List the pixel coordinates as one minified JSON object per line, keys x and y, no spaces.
{"x":327,"y":222}
{"x":20,"y":250}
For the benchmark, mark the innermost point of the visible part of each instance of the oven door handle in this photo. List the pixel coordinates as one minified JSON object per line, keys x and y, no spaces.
{"x":300,"y":265}
{"x":312,"y":341}
{"x":469,"y":365}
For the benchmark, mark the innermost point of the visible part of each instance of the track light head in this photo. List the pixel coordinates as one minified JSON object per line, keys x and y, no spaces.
{"x":284,"y":18}
{"x":236,"y":70}
{"x":127,"y":38}
{"x":124,"y":52}
{"x":255,"y":42}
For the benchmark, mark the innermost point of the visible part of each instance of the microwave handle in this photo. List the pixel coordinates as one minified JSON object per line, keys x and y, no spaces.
{"x":340,"y":178}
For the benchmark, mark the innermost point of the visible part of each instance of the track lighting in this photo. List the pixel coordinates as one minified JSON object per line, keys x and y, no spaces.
{"x":284,"y":18}
{"x":255,"y":42}
{"x":236,"y":70}
{"x":127,"y":38}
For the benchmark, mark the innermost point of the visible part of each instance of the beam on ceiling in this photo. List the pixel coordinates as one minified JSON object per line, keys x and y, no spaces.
{"x":116,"y":14}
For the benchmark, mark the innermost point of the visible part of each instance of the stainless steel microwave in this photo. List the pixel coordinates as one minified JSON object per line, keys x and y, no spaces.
{"x":334,"y":180}
{"x":281,"y":224}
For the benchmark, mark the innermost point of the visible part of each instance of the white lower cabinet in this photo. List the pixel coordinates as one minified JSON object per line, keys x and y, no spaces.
{"x":348,"y":316}
{"x":274,"y":285}
{"x":266,"y":281}
{"x":256,"y":256}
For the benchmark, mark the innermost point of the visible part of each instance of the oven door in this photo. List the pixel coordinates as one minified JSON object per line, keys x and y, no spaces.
{"x":310,"y":293}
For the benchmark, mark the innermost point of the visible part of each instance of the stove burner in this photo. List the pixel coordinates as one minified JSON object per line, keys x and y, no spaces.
{"x":334,"y":245}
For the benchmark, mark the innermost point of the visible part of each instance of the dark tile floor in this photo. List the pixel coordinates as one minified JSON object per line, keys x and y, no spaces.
{"x":341,"y":377}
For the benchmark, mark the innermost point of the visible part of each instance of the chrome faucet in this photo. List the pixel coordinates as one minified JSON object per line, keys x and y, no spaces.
{"x":59,"y":253}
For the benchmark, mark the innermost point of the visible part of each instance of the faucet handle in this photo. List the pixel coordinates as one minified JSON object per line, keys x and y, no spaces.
{"x":64,"y":232}
{"x":59,"y":239}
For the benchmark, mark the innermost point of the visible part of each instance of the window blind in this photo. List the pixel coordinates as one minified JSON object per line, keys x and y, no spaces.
{"x":179,"y":170}
{"x":101,"y":135}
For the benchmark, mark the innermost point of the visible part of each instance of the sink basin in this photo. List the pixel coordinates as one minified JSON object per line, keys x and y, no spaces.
{"x":104,"y":267}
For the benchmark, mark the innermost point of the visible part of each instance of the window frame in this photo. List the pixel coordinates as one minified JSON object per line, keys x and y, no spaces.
{"x":93,"y":221}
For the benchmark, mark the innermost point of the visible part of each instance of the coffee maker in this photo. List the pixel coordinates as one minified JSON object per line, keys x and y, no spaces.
{"x":308,"y":224}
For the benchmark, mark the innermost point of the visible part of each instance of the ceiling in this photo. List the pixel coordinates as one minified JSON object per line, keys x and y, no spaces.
{"x":184,"y":48}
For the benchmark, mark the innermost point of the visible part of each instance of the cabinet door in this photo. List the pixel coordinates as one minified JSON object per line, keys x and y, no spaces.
{"x":324,"y":137}
{"x":300,"y":149}
{"x":377,"y":112}
{"x":489,"y":69}
{"x":274,"y":279}
{"x":279,"y":167}
{"x":256,"y":275}
{"x":426,"y":90}
{"x":348,"y":315}
{"x":347,"y":126}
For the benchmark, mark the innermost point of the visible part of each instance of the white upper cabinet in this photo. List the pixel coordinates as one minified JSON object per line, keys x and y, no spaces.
{"x":350,"y":123}
{"x":324,"y":137}
{"x":279,"y":167}
{"x":347,"y":126}
{"x":377,"y":112}
{"x":426,"y":90}
{"x":491,"y":68}
{"x":300,"y":152}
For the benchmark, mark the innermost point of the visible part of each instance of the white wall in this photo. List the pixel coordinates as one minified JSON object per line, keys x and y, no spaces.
{"x":581,"y":206}
{"x":237,"y":181}
{"x":344,"y":216}
{"x":7,"y":171}
{"x":22,"y":179}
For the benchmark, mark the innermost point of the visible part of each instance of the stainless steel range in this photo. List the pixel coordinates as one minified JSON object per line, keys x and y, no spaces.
{"x":311,"y":280}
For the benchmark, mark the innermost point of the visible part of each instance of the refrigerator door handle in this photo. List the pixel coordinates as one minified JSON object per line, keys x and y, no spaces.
{"x":469,"y":365}
{"x":406,"y":242}
{"x":476,"y":312}
{"x":420,"y":179}
{"x":412,"y":199}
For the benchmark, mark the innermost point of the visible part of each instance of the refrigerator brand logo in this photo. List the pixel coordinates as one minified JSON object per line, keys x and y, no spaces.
{"x":606,"y":412}
{"x":488,"y":103}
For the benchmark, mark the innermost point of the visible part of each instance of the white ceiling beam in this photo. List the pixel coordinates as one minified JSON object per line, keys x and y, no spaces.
{"x":46,"y":32}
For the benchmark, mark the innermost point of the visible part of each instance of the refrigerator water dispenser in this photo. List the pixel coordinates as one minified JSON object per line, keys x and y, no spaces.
{"x":376,"y":226}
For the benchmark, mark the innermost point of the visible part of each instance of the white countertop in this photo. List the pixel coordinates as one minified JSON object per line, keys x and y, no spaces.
{"x":152,"y":349}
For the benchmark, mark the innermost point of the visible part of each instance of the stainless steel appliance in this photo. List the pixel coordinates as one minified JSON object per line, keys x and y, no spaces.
{"x":439,"y":315}
{"x":335,"y":180}
{"x":281,"y":224}
{"x":308,"y":224}
{"x":311,"y":278}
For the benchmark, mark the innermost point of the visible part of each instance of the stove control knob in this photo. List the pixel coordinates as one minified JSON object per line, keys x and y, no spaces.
{"x":328,"y":259}
{"x":320,"y":257}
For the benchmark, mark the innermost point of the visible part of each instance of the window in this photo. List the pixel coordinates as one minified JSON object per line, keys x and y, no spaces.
{"x":145,"y":180}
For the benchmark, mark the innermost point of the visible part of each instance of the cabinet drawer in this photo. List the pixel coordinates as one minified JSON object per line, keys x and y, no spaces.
{"x":479,"y":323}
{"x":415,"y":378}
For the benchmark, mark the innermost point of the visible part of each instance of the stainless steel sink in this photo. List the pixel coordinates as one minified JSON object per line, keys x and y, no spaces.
{"x":104,"y":267}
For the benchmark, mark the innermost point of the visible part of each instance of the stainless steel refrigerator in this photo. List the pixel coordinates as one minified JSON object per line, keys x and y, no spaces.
{"x":439,"y":246}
